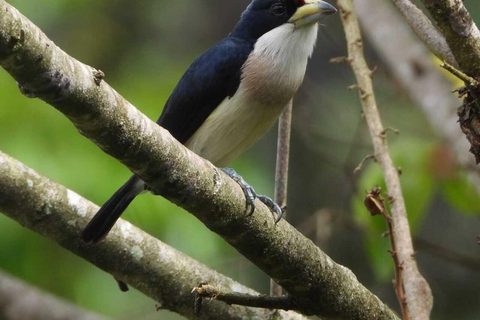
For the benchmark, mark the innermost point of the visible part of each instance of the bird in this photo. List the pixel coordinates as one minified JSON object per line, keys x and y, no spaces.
{"x":232,"y":94}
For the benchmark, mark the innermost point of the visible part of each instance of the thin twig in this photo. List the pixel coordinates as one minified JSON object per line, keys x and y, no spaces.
{"x":362,"y":163}
{"x":242,"y":299}
{"x":460,"y":75}
{"x":418,"y":293}
{"x":395,"y":131}
{"x":281,"y":173}
{"x":340,"y":60}
{"x":375,"y":204}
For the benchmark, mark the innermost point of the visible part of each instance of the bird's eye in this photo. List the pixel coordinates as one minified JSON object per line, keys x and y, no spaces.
{"x":278,"y":9}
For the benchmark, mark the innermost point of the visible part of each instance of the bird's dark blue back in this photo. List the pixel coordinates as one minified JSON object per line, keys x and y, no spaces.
{"x":212,"y":77}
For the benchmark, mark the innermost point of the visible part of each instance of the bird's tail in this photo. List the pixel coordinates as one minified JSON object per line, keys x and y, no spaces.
{"x":109,"y":213}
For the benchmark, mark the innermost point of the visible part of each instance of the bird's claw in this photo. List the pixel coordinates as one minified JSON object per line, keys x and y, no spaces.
{"x":251,"y":195}
{"x":274,"y":207}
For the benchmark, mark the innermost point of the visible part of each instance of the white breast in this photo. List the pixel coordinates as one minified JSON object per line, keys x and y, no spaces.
{"x":270,"y":78}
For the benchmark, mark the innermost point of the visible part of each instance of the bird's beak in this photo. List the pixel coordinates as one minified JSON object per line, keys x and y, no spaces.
{"x":311,"y":12}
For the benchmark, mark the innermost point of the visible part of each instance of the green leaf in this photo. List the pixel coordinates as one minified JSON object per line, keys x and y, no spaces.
{"x":418,"y":188}
{"x":461,"y":194}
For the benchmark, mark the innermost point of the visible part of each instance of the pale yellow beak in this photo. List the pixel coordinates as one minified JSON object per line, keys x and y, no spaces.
{"x":311,"y":12}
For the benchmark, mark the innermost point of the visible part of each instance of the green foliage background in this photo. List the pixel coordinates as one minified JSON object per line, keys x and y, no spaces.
{"x":144,"y":47}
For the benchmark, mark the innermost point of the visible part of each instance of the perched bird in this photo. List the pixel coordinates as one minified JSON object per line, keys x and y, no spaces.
{"x":233,"y":93}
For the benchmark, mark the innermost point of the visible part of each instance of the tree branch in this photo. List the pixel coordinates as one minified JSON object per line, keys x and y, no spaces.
{"x":424,"y":29}
{"x":129,"y":254}
{"x":411,"y":65}
{"x":281,"y":172}
{"x":419,"y":298}
{"x":19,"y":300}
{"x":242,"y":299}
{"x":375,"y":204}
{"x":461,"y":33}
{"x":317,"y":284}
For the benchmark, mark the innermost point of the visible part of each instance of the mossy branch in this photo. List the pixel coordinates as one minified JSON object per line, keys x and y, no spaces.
{"x":129,"y":254}
{"x":19,"y":300}
{"x":460,"y":31}
{"x":316,"y":284}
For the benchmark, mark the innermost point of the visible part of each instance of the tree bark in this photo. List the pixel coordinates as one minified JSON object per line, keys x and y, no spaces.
{"x":425,"y":30}
{"x":316,"y":284}
{"x":129,"y":254}
{"x":461,"y":33}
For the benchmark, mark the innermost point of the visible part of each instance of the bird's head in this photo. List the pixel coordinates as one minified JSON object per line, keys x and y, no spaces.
{"x":262,"y":16}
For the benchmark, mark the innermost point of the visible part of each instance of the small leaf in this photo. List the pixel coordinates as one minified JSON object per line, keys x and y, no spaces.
{"x":461,"y":194}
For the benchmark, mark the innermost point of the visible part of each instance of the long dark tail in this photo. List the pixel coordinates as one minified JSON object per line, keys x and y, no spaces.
{"x":109,"y":213}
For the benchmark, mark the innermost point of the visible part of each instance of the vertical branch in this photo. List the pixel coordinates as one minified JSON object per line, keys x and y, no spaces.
{"x":375,"y":204}
{"x":281,"y":172}
{"x":418,"y":293}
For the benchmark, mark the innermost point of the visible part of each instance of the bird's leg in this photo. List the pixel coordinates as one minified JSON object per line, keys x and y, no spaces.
{"x":250,"y":195}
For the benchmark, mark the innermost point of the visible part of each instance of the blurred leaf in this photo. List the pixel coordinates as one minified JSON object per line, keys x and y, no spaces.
{"x":462,"y":195}
{"x":418,"y":188}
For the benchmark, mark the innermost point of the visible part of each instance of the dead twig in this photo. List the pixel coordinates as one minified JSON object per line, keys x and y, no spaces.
{"x":362,"y":163}
{"x":375,"y":204}
{"x":460,"y":75}
{"x":395,"y":131}
{"x":205,"y":290}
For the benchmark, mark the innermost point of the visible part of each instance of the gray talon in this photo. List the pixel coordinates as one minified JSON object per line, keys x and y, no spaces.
{"x":274,"y":207}
{"x":251,"y":195}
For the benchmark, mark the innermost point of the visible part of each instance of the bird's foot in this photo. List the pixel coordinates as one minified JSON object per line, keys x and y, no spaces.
{"x":251,"y":195}
{"x":274,"y":207}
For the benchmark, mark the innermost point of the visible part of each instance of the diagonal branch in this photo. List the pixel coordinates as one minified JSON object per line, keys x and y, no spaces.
{"x":129,"y":254}
{"x":19,"y":300}
{"x":424,"y":29}
{"x":460,"y":31}
{"x":316,"y":284}
{"x":418,"y":293}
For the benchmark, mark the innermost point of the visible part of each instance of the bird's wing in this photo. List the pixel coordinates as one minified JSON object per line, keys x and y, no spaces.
{"x":213,"y":77}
